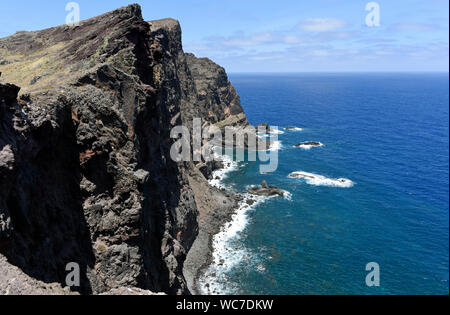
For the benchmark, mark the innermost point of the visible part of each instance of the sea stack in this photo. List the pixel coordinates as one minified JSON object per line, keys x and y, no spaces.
{"x":266,"y":190}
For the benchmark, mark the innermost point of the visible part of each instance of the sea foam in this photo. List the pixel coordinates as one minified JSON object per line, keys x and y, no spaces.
{"x":276,"y":132}
{"x":319,"y":180}
{"x":294,"y":129}
{"x":219,"y":175}
{"x":226,"y":251}
{"x":276,"y":145}
{"x":308,"y":147}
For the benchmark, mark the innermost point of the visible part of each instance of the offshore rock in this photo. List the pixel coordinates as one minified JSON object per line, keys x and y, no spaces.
{"x":266,"y":190}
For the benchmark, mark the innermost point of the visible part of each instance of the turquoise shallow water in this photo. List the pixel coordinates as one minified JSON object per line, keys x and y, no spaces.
{"x":388,"y":133}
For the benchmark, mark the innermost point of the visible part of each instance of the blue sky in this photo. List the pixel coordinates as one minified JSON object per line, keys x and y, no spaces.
{"x":280,"y":36}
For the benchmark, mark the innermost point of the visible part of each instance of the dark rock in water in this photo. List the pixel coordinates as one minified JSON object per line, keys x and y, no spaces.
{"x":208,"y":168}
{"x":266,"y":191}
{"x":204,"y":169}
{"x":216,"y":165}
{"x":86,"y":174}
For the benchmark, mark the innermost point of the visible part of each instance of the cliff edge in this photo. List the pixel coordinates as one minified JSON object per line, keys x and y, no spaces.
{"x":85,"y":169}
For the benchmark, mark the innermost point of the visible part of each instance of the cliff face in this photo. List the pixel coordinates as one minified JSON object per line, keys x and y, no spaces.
{"x":85,"y":168}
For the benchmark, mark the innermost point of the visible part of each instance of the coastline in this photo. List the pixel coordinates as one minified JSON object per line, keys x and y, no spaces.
{"x":226,"y":216}
{"x":221,"y":205}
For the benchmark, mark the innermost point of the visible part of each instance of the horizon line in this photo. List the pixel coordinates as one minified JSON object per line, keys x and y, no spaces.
{"x":341,"y":72}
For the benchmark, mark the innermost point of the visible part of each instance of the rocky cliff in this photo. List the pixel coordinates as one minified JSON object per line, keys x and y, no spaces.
{"x":85,"y":169}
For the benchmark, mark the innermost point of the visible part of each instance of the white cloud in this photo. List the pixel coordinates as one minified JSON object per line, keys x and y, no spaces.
{"x":243,"y":40}
{"x":325,"y":44}
{"x":321,"y":24}
{"x":264,"y":58}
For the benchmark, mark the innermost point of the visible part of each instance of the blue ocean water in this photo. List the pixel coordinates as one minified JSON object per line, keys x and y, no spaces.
{"x":388,"y":133}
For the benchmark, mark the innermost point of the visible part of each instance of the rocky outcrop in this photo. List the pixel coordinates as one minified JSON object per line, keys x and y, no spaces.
{"x":85,"y":169}
{"x":217,"y":98}
{"x":266,"y":190}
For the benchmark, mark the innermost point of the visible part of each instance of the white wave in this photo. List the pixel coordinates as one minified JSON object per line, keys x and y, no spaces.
{"x":263,"y":136}
{"x":319,"y":180}
{"x":227,"y":254}
{"x":219,"y":175}
{"x":276,"y":132}
{"x":308,"y":147}
{"x":294,"y":129}
{"x":261,"y":268}
{"x":287,"y":195}
{"x":276,"y":145}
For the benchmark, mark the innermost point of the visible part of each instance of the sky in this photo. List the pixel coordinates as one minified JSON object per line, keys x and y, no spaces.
{"x":280,"y":36}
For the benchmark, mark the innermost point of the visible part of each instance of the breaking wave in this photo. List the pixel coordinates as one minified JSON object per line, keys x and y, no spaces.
{"x":276,"y":132}
{"x":276,"y":146}
{"x":293,"y":129}
{"x":219,"y":175}
{"x":319,"y":180}
{"x":306,"y":146}
{"x":227,"y":252}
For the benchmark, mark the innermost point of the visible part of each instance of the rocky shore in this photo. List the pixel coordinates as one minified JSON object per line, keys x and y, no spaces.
{"x":221,"y":204}
{"x":200,"y":256}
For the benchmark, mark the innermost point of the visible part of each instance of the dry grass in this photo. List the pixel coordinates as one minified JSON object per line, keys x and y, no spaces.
{"x":44,"y":64}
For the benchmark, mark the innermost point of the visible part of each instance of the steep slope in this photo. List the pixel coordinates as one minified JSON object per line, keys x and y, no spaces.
{"x":85,"y":169}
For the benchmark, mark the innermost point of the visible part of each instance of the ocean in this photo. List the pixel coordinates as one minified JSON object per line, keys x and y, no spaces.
{"x":387,"y":135}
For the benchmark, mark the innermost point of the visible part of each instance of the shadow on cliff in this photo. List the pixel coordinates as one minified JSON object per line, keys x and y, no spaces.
{"x":41,"y":195}
{"x":162,"y":191}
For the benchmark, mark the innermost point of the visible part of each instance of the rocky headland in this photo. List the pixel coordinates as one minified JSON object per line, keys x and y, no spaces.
{"x":86,"y":174}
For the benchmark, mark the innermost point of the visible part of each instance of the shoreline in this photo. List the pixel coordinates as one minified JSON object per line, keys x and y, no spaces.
{"x":222,"y":209}
{"x":219,"y":205}
{"x":200,"y":256}
{"x":227,"y":214}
